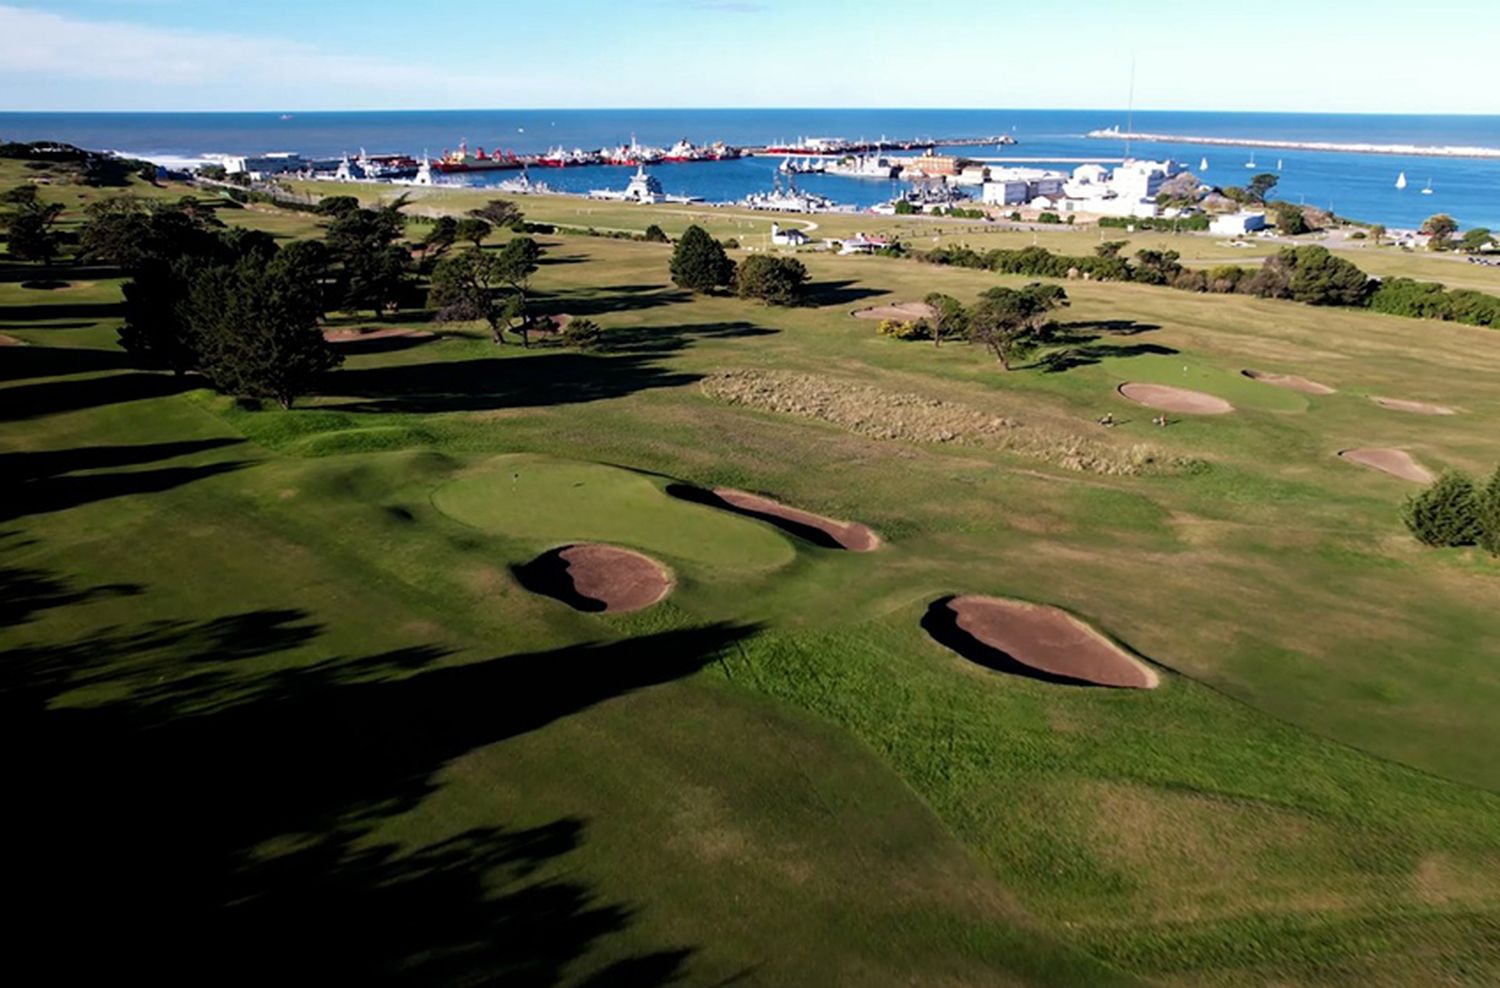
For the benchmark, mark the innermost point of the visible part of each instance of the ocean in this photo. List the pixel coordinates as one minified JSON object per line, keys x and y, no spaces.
{"x":1358,"y":185}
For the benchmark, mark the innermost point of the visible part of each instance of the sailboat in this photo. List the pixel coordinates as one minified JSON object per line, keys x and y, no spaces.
{"x":1428,"y":191}
{"x":1401,"y":181}
{"x":1251,"y":162}
{"x":1203,"y":165}
{"x":1278,"y":164}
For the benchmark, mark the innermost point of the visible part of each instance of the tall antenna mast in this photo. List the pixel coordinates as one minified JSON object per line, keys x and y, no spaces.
{"x":1130,"y":110}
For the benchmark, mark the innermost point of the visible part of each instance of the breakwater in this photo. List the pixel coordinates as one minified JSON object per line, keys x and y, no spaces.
{"x":1414,"y":150}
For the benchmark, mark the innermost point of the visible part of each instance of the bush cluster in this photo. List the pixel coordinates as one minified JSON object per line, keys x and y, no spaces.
{"x":1454,"y":511}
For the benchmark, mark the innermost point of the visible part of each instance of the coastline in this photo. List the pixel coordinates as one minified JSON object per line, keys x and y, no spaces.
{"x":1414,"y":150}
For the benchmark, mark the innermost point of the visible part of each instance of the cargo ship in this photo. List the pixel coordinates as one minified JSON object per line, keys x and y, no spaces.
{"x":558,"y":158}
{"x":685,"y":151}
{"x":462,"y":161}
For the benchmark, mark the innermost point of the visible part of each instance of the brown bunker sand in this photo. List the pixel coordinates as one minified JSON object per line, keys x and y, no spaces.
{"x":901,"y":312}
{"x":10,"y":341}
{"x":1292,"y":382}
{"x":1170,"y":399}
{"x":598,"y":577}
{"x":1419,"y":407}
{"x":1396,"y":462}
{"x":850,"y":535}
{"x":361,"y":335}
{"x":1049,"y":641}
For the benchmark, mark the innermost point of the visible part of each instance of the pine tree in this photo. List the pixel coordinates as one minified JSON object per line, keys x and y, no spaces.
{"x":1489,"y":515}
{"x":1447,"y":513}
{"x":699,"y":263}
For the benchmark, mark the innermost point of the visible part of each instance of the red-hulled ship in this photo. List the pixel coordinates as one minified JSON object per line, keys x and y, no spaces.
{"x":462,"y":161}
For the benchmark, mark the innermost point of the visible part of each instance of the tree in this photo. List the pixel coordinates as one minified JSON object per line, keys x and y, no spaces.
{"x":1447,"y":513}
{"x":1377,"y":233}
{"x":1157,"y":267}
{"x":1476,"y":240}
{"x":1489,"y":515}
{"x":156,"y":329}
{"x":1440,"y":227}
{"x":337,"y":205}
{"x":516,"y":262}
{"x":1290,"y":220}
{"x":1110,"y":249}
{"x":584,"y":334}
{"x":951,"y":321}
{"x":1261,"y":185}
{"x":699,"y":262}
{"x":1320,"y":278}
{"x":28,"y":225}
{"x":773,"y":280}
{"x":444,"y":234}
{"x":656,"y":235}
{"x":467,"y":287}
{"x":374,"y":267}
{"x":256,"y":332}
{"x":1012,"y":322}
{"x":502,"y":214}
{"x":473,"y":230}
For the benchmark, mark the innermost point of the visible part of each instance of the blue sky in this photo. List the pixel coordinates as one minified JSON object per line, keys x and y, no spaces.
{"x":1440,"y":56}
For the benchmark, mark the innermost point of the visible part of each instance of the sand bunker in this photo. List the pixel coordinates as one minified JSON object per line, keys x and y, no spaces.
{"x":1034,"y":640}
{"x":901,"y":312}
{"x":595,"y":577}
{"x":1180,"y":400}
{"x":827,"y":532}
{"x":10,"y":341}
{"x":1396,"y":462}
{"x":363,"y":335}
{"x":1289,"y":381}
{"x":1419,"y":407}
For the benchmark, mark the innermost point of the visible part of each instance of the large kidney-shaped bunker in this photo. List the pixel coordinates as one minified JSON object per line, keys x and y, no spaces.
{"x":595,"y":577}
{"x":1034,"y":640}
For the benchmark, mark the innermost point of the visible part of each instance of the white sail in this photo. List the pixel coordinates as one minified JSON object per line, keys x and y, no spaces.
{"x":1401,"y":181}
{"x":1203,"y":165}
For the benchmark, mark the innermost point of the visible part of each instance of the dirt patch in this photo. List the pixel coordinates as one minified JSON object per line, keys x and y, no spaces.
{"x":1035,"y":641}
{"x":895,"y":415}
{"x":1418,"y":407}
{"x":1289,"y":381}
{"x":369,"y":335}
{"x":900,"y":312}
{"x":594,"y":577}
{"x":827,"y":532}
{"x":1396,"y":462}
{"x":10,"y":341}
{"x":550,"y":325}
{"x":1179,"y":400}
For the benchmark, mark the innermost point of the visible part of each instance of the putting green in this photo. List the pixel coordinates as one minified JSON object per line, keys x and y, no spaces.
{"x":1182,"y":371}
{"x":551,"y":500}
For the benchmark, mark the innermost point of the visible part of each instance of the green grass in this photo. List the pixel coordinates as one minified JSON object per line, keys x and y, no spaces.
{"x":282,"y":657}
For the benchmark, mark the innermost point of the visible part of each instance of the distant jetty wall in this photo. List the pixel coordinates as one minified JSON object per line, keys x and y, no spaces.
{"x":1415,"y":150}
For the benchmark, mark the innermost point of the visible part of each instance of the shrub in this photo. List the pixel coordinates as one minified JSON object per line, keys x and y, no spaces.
{"x":655,"y":235}
{"x":585,"y":334}
{"x":773,"y":280}
{"x":1489,"y":515}
{"x":1049,"y":218}
{"x":899,"y":329}
{"x":1447,"y":513}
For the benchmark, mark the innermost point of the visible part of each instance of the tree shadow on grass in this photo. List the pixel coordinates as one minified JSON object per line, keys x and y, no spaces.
{"x":55,"y":361}
{"x":551,"y":378}
{"x":941,"y":623}
{"x":610,"y":299}
{"x":668,"y":339}
{"x":1059,"y":361}
{"x":28,"y":401}
{"x":55,"y":480}
{"x":1114,"y":327}
{"x":212,"y":808}
{"x":41,"y":311}
{"x":840,"y":293}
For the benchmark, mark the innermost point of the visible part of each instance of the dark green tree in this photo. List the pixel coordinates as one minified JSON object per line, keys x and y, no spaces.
{"x":1440,"y":227}
{"x":1475,"y":240}
{"x":951,"y":321}
{"x":468,"y":287}
{"x":1261,"y":185}
{"x":1290,"y":220}
{"x":337,"y":205}
{"x":474,"y":230}
{"x":773,"y":280}
{"x":1489,"y":515}
{"x":1320,"y":278}
{"x":28,"y":224}
{"x":502,"y":214}
{"x":374,"y":267}
{"x":1447,"y":513}
{"x":699,"y":262}
{"x":1157,"y":267}
{"x":444,"y":234}
{"x":584,"y":334}
{"x":516,"y":262}
{"x":656,"y":235}
{"x":1110,"y":249}
{"x":1011,"y":323}
{"x":256,"y":333}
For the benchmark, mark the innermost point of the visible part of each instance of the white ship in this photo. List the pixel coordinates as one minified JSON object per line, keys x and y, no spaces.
{"x":522,"y":185}
{"x":790,"y":199}
{"x":865,"y":166}
{"x":643,"y":188}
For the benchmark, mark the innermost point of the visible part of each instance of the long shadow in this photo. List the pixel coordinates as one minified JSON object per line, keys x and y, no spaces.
{"x":40,"y":311}
{"x":941,"y":623}
{"x":223,"y":815}
{"x":550,"y":378}
{"x":808,"y":533}
{"x":26,"y":401}
{"x":666,"y":339}
{"x":1116,"y":327}
{"x":382,"y":344}
{"x":613,"y":299}
{"x":33,"y":326}
{"x":548,"y":576}
{"x":1059,"y":361}
{"x":26,"y":591}
{"x":64,"y":273}
{"x":840,"y":293}
{"x":30,"y":465}
{"x":57,"y":361}
{"x":45,"y":495}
